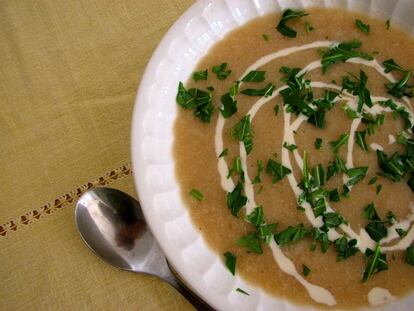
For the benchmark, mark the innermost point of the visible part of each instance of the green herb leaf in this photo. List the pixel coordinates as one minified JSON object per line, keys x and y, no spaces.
{"x":236,"y":167}
{"x":319,"y":208}
{"x":242,"y":291}
{"x":196,"y":194}
{"x":364,"y":27}
{"x":392,"y":168}
{"x":332,"y":220}
{"x":345,"y":248}
{"x":319,"y":177}
{"x":356,"y":174}
{"x":336,"y":167}
{"x":256,"y":217}
{"x":376,"y":230}
{"x":409,"y":255}
{"x":401,"y":88}
{"x":290,"y":147}
{"x":321,"y":237}
{"x":360,"y":140}
{"x":392,"y":219}
{"x":220,"y":71}
{"x":258,"y":178}
{"x":370,"y":212}
{"x":242,"y":132}
{"x":358,"y":87}
{"x":376,"y":263}
{"x":265,"y":37}
{"x":391,"y":65}
{"x":388,"y":24}
{"x":254,"y":76}
{"x":236,"y":200}
{"x":306,"y":270}
{"x":286,"y":16}
{"x":401,"y":232}
{"x":229,"y":106}
{"x":373,"y":180}
{"x":318,"y":143}
{"x":378,"y":188}
{"x":224,"y":153}
{"x":276,"y":110}
{"x":198,"y":100}
{"x":276,"y":170}
{"x":230,"y":262}
{"x":251,"y":242}
{"x":200,"y":75}
{"x":291,"y":234}
{"x":341,"y":53}
{"x":309,"y":27}
{"x":352,"y":114}
{"x":265,"y":232}
{"x":398,"y":111}
{"x":334,"y":195}
{"x":265,"y":91}
{"x":336,"y":144}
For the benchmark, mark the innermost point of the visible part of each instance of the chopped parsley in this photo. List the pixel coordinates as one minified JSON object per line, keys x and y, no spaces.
{"x":200,"y":75}
{"x":409,"y":255}
{"x":229,"y":105}
{"x":336,"y":167}
{"x":370,"y":213}
{"x":223,"y":153}
{"x":258,"y":178}
{"x":401,"y":232}
{"x":276,"y":110}
{"x":286,"y":16}
{"x":336,"y":144}
{"x":291,"y":234}
{"x":388,"y":24}
{"x":265,"y":232}
{"x":318,"y":176}
{"x":398,"y":111}
{"x":318,"y":143}
{"x":373,"y":180}
{"x":391,"y":65}
{"x":309,"y":27}
{"x":378,"y":188}
{"x":392,"y":167}
{"x":238,"y":289}
{"x":306,"y":270}
{"x":376,"y":262}
{"x":341,"y":53}
{"x":332,"y":220}
{"x":266,"y":91}
{"x":376,"y":230}
{"x":197,"y":100}
{"x":196,"y":194}
{"x":290,"y":147}
{"x":220,"y":71}
{"x":352,"y":114}
{"x":230,"y":262}
{"x":361,"y":25}
{"x":346,"y":248}
{"x":242,"y":132}
{"x":356,"y":174}
{"x":276,"y":170}
{"x":400,"y":88}
{"x":254,"y":76}
{"x":357,"y":86}
{"x":334,"y":195}
{"x":360,"y":140}
{"x":236,"y":167}
{"x":322,"y":237}
{"x":236,"y":200}
{"x":251,"y":242}
{"x":256,"y":217}
{"x":265,"y":37}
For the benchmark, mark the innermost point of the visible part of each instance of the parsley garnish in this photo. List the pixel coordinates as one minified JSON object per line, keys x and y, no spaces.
{"x":265,"y":37}
{"x":276,"y":110}
{"x":230,"y":262}
{"x":200,"y":75}
{"x":373,"y":180}
{"x":236,"y":167}
{"x":236,"y":200}
{"x":393,"y":167}
{"x":334,"y":195}
{"x":341,"y":53}
{"x":376,"y":262}
{"x":200,"y":101}
{"x":238,"y":289}
{"x":256,"y":217}
{"x":258,"y":179}
{"x":276,"y":170}
{"x":370,"y":212}
{"x":360,"y":140}
{"x":352,"y":114}
{"x":251,"y":242}
{"x":254,"y":76}
{"x":401,"y":88}
{"x":332,"y":220}
{"x":398,"y":111}
{"x":336,"y":144}
{"x":220,"y":71}
{"x":196,"y":194}
{"x":265,"y":91}
{"x":336,"y":167}
{"x":306,"y":270}
{"x":290,"y":147}
{"x":356,"y":174}
{"x":364,"y":27}
{"x":345,"y":248}
{"x":358,"y":87}
{"x":318,"y":143}
{"x":242,"y":132}
{"x":229,"y":106}
{"x":288,"y":15}
{"x":319,"y":177}
{"x":401,"y":232}
{"x":391,"y":65}
{"x":378,"y":188}
{"x":309,"y":27}
{"x":409,"y":255}
{"x":388,"y":24}
{"x":265,"y":232}
{"x":321,"y":237}
{"x":224,"y":153}
{"x":291,"y":234}
{"x":376,"y":230}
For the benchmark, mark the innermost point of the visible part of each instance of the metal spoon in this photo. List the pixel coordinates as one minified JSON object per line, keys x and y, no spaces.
{"x":112,"y":224}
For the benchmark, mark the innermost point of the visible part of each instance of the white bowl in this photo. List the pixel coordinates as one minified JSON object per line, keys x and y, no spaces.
{"x":188,"y":40}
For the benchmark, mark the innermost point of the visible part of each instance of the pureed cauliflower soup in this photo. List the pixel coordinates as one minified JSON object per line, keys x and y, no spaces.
{"x":295,"y":156}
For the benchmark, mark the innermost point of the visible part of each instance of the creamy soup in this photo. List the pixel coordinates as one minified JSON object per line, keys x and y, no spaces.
{"x":298,"y":190}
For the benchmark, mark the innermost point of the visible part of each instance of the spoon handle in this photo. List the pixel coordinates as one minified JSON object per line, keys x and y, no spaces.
{"x":177,"y":282}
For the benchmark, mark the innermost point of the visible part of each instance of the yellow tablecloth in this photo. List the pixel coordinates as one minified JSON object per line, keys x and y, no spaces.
{"x":69,"y":71}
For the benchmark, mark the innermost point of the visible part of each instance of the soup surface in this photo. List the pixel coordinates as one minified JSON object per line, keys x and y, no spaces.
{"x":305,"y":150}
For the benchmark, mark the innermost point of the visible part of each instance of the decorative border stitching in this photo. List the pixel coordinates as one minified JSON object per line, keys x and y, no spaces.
{"x":64,"y":200}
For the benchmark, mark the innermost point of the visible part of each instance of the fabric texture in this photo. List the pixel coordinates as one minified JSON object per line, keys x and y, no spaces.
{"x":69,"y":71}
